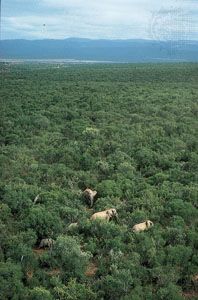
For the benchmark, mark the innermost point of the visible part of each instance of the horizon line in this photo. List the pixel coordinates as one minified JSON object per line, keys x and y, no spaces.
{"x":99,"y":39}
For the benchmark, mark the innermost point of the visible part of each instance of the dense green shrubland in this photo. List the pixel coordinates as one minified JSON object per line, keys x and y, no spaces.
{"x":128,"y":131}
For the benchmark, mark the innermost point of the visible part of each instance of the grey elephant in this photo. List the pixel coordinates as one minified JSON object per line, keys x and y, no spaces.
{"x":46,"y":243}
{"x":105,"y":215}
{"x":73,"y":225}
{"x":89,"y":196}
{"x":142,"y":226}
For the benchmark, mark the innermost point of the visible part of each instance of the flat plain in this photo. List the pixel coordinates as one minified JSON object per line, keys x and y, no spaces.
{"x":129,"y":131}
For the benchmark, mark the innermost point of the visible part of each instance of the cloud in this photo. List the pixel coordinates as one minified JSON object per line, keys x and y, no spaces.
{"x":93,"y":19}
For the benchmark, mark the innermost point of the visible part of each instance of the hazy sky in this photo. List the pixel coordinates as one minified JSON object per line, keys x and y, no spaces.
{"x":144,"y":19}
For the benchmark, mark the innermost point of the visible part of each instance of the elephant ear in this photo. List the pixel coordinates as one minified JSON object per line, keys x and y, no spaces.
{"x":114,"y":212}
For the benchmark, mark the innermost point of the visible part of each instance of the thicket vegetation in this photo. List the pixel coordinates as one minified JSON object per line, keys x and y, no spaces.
{"x":130,"y":133}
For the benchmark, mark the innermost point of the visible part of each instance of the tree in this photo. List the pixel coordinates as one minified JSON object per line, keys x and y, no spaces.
{"x":43,"y":222}
{"x":170,"y":292}
{"x":68,"y":254}
{"x":39,"y":293}
{"x":74,"y":291}
{"x":11,"y":285}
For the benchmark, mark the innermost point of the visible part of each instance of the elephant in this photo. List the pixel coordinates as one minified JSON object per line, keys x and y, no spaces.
{"x":89,"y":195}
{"x":73,"y":225}
{"x":46,"y":243}
{"x":142,"y":226}
{"x":105,"y":215}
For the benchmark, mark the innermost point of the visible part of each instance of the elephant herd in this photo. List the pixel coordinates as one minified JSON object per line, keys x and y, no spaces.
{"x":105,"y":215}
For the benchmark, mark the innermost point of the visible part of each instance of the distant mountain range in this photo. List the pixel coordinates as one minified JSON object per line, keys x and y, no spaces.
{"x":100,"y":50}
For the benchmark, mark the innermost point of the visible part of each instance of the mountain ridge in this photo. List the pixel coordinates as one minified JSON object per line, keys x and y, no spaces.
{"x":118,"y":50}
